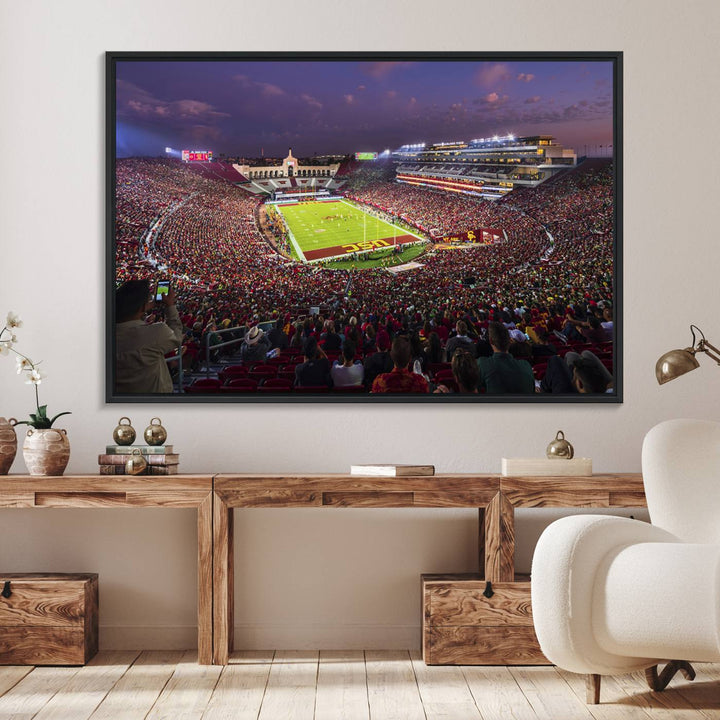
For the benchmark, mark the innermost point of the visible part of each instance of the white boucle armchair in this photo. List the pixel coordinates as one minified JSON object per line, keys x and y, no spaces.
{"x":614,"y":595}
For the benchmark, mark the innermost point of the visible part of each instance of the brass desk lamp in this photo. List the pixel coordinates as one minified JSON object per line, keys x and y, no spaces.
{"x":677,"y":362}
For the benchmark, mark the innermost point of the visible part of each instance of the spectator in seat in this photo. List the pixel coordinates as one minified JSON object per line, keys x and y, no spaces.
{"x":346,"y":371}
{"x":433,"y":349}
{"x":400,"y":379}
{"x":569,"y":374}
{"x":255,"y":346}
{"x":140,"y":348}
{"x":379,"y":362}
{"x":465,"y":371}
{"x":501,"y":373}
{"x":277,"y":337}
{"x":607,"y":323}
{"x":543,"y":348}
{"x":459,"y":340}
{"x":316,"y":368}
{"x":329,"y":339}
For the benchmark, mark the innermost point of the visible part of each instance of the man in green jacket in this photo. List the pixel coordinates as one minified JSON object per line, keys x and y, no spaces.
{"x":501,"y":373}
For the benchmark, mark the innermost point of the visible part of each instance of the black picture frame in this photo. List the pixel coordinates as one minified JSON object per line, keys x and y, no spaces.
{"x":613,"y":58}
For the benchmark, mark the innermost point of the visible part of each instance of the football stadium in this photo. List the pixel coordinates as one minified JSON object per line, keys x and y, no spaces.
{"x":306,"y":274}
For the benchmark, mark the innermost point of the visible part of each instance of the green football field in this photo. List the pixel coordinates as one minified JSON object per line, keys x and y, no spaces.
{"x":323,"y":230}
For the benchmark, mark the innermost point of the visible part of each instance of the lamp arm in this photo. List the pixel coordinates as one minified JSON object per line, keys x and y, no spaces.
{"x":710,"y":350}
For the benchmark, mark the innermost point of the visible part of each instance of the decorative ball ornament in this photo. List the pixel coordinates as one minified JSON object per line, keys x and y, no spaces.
{"x":155,"y":433}
{"x":560,"y":448}
{"x":124,"y":433}
{"x":136,"y":463}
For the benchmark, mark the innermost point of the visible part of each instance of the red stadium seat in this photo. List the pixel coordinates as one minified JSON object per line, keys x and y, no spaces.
{"x":276,"y":385}
{"x":438,"y":367}
{"x":204,"y":385}
{"x":232,"y":371}
{"x":260,"y":373}
{"x":240,"y":385}
{"x":311,"y":389}
{"x":443,"y":375}
{"x":539,"y":370}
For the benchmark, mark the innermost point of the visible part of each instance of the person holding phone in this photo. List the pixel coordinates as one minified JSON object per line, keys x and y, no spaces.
{"x":140,"y":348}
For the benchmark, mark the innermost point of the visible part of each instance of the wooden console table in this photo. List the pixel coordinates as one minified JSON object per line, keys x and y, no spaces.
{"x":215,"y":498}
{"x":92,"y":491}
{"x":495,"y":497}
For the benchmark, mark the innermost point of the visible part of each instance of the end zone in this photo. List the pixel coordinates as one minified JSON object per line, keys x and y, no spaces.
{"x":363,"y":246}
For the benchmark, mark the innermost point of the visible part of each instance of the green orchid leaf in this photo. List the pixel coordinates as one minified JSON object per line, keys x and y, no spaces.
{"x":67,"y":412}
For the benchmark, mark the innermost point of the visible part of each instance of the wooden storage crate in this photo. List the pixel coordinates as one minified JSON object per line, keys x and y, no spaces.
{"x":48,"y":618}
{"x":461,"y":626}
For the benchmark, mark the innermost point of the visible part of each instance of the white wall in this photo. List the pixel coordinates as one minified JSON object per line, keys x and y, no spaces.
{"x":330,"y":578}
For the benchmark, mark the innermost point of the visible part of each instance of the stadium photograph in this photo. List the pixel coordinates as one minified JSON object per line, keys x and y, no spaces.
{"x":319,"y":227}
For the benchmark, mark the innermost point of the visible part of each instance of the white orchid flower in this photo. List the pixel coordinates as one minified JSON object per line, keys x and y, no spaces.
{"x":35,"y":377}
{"x":13,"y":320}
{"x":23,"y":364}
{"x":5,"y":346}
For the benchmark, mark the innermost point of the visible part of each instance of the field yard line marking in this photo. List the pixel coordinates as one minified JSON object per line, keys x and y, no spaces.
{"x":403,"y":230}
{"x":292,"y":240}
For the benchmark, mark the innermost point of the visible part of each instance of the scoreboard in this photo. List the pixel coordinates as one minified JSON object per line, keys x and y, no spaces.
{"x":366,"y":156}
{"x":197,"y":155}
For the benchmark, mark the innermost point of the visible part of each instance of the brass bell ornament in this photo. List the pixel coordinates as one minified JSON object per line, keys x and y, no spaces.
{"x":124,"y":433}
{"x":560,"y":448}
{"x":136,"y":463}
{"x":155,"y":433}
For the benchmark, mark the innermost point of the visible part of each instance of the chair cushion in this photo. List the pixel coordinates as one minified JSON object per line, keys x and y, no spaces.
{"x":659,"y":600}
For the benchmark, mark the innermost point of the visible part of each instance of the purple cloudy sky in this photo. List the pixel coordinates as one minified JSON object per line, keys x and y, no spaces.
{"x":242,"y":107}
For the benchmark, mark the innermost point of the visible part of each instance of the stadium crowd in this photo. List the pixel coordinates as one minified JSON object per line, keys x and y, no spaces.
{"x":551,"y":274}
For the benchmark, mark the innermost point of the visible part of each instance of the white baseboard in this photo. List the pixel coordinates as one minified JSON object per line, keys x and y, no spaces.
{"x":266,"y":637}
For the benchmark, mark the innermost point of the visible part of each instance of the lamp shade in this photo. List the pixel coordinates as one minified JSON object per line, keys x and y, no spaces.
{"x":675,"y":363}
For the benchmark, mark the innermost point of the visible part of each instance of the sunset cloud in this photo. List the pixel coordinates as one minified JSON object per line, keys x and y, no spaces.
{"x":492,"y":74}
{"x":382,"y":69}
{"x":526,"y":77}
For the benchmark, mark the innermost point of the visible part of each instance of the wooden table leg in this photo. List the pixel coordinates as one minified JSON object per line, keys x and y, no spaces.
{"x":481,"y":541}
{"x":205,"y":580}
{"x":223,"y":581}
{"x":499,"y":518}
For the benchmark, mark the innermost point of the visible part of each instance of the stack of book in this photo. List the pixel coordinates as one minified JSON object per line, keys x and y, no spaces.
{"x":160,"y":459}
{"x":392,"y":470}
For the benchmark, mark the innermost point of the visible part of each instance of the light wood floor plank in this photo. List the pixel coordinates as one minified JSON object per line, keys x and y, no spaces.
{"x":290,"y":692}
{"x":615,"y":703}
{"x":342,"y":686}
{"x":703,"y":693}
{"x":392,"y":688}
{"x":548,"y":694}
{"x":251,"y":657}
{"x":34,"y":691}
{"x":78,"y":699}
{"x":11,"y":675}
{"x":375,"y":685}
{"x":241,"y":688}
{"x":497,"y":694}
{"x":444,"y":691}
{"x":138,"y":689}
{"x":666,"y":705}
{"x":188,"y":691}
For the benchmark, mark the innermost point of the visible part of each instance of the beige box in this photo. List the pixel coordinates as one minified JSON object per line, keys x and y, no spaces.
{"x":547,"y":467}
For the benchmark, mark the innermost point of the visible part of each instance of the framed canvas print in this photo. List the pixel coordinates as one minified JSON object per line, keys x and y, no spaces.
{"x":364,"y":227}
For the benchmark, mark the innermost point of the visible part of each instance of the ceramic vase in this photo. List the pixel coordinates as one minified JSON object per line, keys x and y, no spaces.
{"x":8,"y":445}
{"x":46,"y":451}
